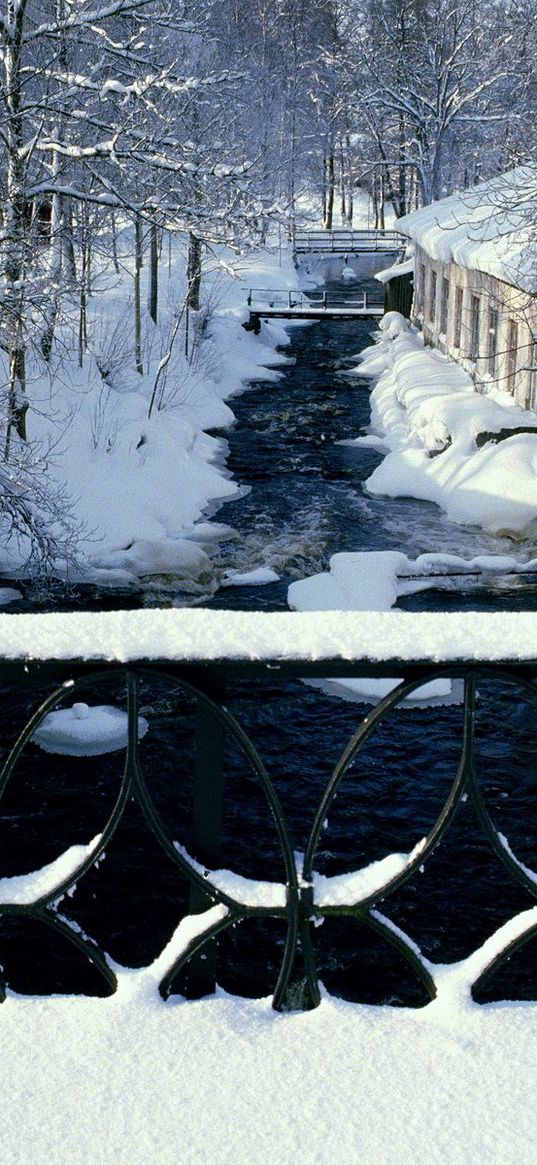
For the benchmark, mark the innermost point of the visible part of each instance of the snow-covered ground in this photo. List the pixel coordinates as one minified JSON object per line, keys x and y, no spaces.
{"x":439,"y":434}
{"x":130,"y":1080}
{"x":142,"y":479}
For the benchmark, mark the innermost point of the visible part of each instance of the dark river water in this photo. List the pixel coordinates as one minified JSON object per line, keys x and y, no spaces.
{"x":306,"y":501}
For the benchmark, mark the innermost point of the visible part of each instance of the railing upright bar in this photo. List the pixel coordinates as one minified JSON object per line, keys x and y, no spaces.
{"x":207,"y":813}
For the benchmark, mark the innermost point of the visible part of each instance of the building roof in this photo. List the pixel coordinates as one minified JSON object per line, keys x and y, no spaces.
{"x":491,"y":227}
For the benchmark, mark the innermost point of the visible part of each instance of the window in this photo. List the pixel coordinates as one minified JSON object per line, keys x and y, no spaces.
{"x":421,"y":290}
{"x":457,"y":318}
{"x":512,"y":354}
{"x":492,"y":341}
{"x":444,"y":305}
{"x":474,"y":327}
{"x":432,"y":305}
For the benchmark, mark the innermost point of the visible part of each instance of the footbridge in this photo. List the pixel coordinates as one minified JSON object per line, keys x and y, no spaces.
{"x":312,"y":305}
{"x":347,"y":242}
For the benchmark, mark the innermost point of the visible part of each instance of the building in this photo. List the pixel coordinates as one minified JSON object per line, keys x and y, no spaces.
{"x":475,"y":280}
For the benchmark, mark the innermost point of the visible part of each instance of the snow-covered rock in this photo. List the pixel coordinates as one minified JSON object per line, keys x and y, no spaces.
{"x":252,"y":578}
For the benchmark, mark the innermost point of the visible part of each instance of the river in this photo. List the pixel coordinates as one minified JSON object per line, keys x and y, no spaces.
{"x":307,"y":498}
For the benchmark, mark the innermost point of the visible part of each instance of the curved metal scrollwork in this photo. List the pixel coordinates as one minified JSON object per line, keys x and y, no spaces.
{"x":296,"y":901}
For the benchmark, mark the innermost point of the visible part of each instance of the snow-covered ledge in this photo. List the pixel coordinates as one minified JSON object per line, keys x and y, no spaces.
{"x":192,"y":635}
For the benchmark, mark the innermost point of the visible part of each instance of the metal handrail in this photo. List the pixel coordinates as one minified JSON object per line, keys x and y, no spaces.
{"x":183,"y":667}
{"x":349,"y":239}
{"x":271,"y":298}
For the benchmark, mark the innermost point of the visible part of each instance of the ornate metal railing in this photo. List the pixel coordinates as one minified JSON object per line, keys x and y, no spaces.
{"x":196,"y":655}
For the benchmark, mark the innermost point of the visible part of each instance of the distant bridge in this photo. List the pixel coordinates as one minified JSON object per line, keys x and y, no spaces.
{"x":347,"y":242}
{"x":312,"y":305}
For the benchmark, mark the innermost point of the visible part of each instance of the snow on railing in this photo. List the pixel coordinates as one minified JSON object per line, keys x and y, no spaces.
{"x":356,"y":638}
{"x":190,"y":655}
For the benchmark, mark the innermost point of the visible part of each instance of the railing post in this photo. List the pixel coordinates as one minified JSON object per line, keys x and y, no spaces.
{"x":200,"y":974}
{"x":249,"y":300}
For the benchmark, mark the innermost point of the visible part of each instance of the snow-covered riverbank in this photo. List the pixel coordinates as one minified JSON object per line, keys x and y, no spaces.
{"x":139,"y":478}
{"x":443,"y":439}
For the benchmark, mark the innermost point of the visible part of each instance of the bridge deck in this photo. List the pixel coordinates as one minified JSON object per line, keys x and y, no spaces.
{"x":344,"y":242}
{"x":317,"y":313}
{"x":299,"y":305}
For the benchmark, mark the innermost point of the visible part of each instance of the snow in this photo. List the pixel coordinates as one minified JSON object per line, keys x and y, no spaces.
{"x":133,"y":1078}
{"x":190,"y":635}
{"x":361,"y":581}
{"x":405,"y":267}
{"x":245,"y":891}
{"x":140,"y":485}
{"x":355,"y":887}
{"x":26,"y":889}
{"x":85,"y":731}
{"x":488,"y":228}
{"x":129,"y":1079}
{"x":425,"y":408}
{"x":260,"y":577}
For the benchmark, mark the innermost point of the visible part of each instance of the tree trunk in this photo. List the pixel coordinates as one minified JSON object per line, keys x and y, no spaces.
{"x":137,"y":296}
{"x":153,"y":271}
{"x":17,"y":406}
{"x":194,"y":272}
{"x":350,"y":177}
{"x":14,"y":241}
{"x":382,"y":195}
{"x":323,"y":191}
{"x":115,"y":259}
{"x":329,"y":217}
{"x":342,"y":191}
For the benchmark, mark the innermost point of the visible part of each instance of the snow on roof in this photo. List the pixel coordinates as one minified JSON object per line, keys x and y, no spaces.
{"x":396,"y":270}
{"x":491,"y":228}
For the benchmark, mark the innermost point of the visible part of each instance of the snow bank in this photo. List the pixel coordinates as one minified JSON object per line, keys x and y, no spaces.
{"x":141,"y":484}
{"x":440,"y":432}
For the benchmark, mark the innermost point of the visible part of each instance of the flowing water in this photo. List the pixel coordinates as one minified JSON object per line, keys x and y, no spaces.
{"x":308,"y":498}
{"x":305,"y":501}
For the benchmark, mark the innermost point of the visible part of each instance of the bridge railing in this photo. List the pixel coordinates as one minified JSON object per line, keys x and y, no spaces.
{"x":258,"y":297}
{"x":51,"y":661}
{"x":345,"y":240}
